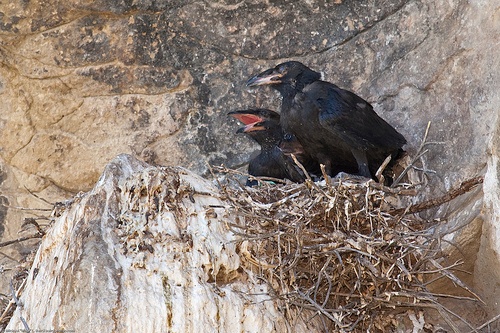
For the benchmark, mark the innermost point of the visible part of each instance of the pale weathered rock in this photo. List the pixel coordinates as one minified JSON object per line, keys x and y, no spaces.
{"x":487,"y":275}
{"x":144,"y":252}
{"x":81,"y":82}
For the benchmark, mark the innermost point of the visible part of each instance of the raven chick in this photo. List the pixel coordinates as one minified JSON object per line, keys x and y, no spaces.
{"x":274,"y":161}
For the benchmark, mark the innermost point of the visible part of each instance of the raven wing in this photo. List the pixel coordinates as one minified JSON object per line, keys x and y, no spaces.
{"x":351,"y":118}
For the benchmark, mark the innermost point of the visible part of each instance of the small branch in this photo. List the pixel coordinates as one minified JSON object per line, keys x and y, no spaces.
{"x":309,"y":180}
{"x":19,"y":240}
{"x":19,"y":305}
{"x":327,"y":178}
{"x":464,"y":187}
{"x":31,"y":209}
{"x":39,"y":198}
{"x":456,"y":280}
{"x":420,"y":153}
{"x":32,"y":221}
{"x":9,"y":309}
{"x":381,"y":169}
{"x":260,"y":178}
{"x":497,"y":317}
{"x":387,"y":189}
{"x":320,"y":309}
{"x":296,"y":161}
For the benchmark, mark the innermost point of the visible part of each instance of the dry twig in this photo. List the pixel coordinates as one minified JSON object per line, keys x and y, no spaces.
{"x":464,"y":187}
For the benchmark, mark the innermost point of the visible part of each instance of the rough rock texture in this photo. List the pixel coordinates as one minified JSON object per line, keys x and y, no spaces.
{"x":143,"y":252}
{"x":81,"y":82}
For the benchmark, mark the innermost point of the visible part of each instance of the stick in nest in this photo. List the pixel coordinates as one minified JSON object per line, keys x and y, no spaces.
{"x":379,"y":173}
{"x":420,"y":152}
{"x":309,"y":181}
{"x":19,"y":240}
{"x":464,"y":187}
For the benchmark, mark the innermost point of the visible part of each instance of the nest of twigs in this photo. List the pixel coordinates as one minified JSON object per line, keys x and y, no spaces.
{"x":346,"y":250}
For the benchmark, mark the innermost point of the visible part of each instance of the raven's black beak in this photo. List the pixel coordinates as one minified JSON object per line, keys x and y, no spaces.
{"x":269,"y":76}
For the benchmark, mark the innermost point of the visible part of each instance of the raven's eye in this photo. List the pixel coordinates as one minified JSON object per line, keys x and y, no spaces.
{"x":282,"y":68}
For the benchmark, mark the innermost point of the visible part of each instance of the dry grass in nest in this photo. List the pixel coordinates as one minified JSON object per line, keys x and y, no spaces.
{"x":345,"y":249}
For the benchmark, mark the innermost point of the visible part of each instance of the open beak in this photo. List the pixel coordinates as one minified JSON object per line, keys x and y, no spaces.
{"x":245,"y":117}
{"x":250,"y":128}
{"x":249,"y":119}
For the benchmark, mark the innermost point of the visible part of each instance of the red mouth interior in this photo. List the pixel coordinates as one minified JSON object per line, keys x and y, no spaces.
{"x":247,"y":118}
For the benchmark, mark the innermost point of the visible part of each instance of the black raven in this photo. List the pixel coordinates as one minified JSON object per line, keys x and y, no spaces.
{"x":274,"y":160}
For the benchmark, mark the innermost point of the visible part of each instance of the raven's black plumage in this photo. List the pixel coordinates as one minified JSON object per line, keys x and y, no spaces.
{"x":336,"y":127}
{"x":263,"y":126}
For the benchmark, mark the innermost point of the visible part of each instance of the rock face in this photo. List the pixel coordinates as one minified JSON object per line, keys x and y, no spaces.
{"x":82,"y":82}
{"x":142,"y":252}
